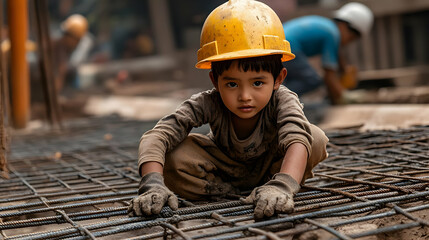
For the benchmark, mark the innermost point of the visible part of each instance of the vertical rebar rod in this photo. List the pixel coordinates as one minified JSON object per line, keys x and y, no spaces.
{"x":45,"y":57}
{"x":4,"y":172}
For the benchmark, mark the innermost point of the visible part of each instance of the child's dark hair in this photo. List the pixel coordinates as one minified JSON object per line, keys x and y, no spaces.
{"x":270,"y":63}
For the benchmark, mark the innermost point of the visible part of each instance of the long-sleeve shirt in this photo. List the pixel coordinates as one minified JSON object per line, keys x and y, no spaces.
{"x":281,"y":123}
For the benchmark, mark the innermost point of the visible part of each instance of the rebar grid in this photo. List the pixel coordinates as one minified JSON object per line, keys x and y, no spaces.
{"x":77,"y":185}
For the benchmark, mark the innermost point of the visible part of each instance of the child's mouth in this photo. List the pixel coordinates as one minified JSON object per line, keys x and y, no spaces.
{"x":246,"y":108}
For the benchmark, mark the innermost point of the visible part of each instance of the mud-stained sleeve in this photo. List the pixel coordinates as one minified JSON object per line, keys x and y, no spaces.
{"x":292,"y":124}
{"x":174,"y":128}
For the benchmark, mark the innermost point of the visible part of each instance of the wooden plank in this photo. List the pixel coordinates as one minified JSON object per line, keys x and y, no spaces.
{"x":89,"y":72}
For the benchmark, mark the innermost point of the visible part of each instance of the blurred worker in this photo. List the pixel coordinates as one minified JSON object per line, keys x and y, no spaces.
{"x":316,"y":35}
{"x":71,"y":49}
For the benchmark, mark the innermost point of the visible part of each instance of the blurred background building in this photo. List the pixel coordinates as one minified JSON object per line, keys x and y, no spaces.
{"x":167,"y":32}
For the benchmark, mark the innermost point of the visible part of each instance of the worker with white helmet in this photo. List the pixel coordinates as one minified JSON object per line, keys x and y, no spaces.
{"x":320,"y":36}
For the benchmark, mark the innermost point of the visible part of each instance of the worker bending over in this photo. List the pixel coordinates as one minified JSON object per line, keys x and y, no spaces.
{"x":320,"y":36}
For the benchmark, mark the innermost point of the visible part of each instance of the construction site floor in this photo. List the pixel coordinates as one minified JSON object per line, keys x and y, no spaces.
{"x":76,"y":183}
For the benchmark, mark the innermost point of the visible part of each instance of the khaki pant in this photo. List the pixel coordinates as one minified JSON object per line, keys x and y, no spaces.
{"x":198,"y":169}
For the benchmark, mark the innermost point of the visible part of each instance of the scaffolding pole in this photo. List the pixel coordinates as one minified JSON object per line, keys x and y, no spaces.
{"x":18,"y":30}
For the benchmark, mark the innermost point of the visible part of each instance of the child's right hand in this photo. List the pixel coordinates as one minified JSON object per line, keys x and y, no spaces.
{"x":153,"y":196}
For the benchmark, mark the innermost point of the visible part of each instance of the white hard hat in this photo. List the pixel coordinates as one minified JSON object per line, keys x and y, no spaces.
{"x":357,"y":15}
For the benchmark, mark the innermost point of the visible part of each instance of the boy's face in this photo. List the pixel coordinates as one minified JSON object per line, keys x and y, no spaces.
{"x":246,"y":93}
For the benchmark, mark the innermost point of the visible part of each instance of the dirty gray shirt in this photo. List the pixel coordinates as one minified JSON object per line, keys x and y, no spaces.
{"x":282,"y":122}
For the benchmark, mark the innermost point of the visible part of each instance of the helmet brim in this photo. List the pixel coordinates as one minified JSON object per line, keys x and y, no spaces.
{"x":248,"y":53}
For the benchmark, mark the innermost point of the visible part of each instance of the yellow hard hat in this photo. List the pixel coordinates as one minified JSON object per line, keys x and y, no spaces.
{"x":76,"y":25}
{"x":241,"y":29}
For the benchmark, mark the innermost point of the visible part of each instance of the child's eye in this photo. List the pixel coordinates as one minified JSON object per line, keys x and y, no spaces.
{"x":257,"y":83}
{"x":231,"y":84}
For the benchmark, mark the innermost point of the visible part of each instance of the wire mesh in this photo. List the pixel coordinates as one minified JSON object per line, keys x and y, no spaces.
{"x":77,"y":184}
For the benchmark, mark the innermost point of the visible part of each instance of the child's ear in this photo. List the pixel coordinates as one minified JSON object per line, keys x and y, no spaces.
{"x":280,"y":78}
{"x":214,"y":81}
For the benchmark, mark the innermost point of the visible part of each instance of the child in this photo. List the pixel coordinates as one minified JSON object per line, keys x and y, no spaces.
{"x":258,"y":129}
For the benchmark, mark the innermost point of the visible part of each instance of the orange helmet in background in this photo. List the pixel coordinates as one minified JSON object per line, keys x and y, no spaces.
{"x":75,"y":25}
{"x":241,"y":29}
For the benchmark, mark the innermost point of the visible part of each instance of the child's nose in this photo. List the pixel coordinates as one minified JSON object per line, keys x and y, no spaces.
{"x":244,"y":95}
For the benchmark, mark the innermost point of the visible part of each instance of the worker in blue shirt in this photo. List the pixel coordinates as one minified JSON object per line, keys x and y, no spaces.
{"x":316,"y":35}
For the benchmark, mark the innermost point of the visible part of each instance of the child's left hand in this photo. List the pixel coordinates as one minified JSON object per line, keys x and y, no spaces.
{"x":274,"y":196}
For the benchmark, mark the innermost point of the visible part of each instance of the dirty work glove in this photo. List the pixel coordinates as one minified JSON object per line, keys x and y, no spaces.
{"x":274,"y":196}
{"x":153,"y":194}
